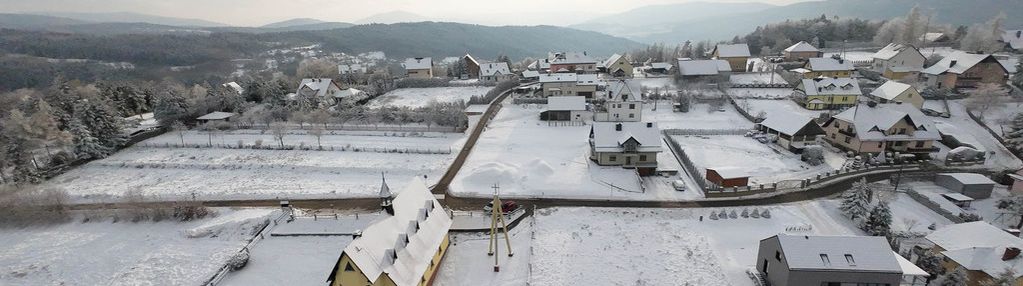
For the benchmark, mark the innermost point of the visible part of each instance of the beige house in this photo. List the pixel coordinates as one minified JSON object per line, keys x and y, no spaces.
{"x":627,"y":144}
{"x":983,"y":250}
{"x":568,"y":84}
{"x":828,"y":67}
{"x":622,"y":102}
{"x":897,"y":61}
{"x":418,"y":67}
{"x":617,"y":66}
{"x":572,"y":62}
{"x":875,"y":128}
{"x":801,"y":51}
{"x":892,"y":91}
{"x":737,"y":55}
{"x":965,"y":70}
{"x":494,"y":72}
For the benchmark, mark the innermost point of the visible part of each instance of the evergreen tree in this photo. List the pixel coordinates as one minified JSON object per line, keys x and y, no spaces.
{"x":1017,"y":79}
{"x":1004,"y":278}
{"x":1014,"y":137}
{"x":879,"y":222}
{"x":929,"y":263}
{"x":85,"y":145}
{"x":856,"y":201}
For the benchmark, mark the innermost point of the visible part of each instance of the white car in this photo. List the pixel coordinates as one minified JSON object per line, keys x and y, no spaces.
{"x":679,"y":185}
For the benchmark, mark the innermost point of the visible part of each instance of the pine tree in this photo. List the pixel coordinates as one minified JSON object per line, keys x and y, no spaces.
{"x":1014,"y":137}
{"x":929,"y":263}
{"x":856,"y":201}
{"x":879,"y":222}
{"x":85,"y":145}
{"x":1004,"y":278}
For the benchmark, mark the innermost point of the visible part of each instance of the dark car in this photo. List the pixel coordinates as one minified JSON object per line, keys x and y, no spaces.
{"x":506,"y":207}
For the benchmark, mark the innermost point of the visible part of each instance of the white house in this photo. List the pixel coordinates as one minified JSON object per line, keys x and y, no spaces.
{"x":324,"y":89}
{"x":351,"y":69}
{"x":235,"y":87}
{"x":626,"y":144}
{"x":492,"y":72}
{"x":896,"y":61}
{"x":622,"y":103}
{"x":418,"y":67}
{"x":893,"y":91}
{"x":707,"y":70}
{"x":1014,"y":39}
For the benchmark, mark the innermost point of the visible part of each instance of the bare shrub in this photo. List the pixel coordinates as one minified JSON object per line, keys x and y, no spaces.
{"x":28,"y":205}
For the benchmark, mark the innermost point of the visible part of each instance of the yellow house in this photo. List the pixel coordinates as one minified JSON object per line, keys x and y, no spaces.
{"x":828,"y":67}
{"x":405,"y":248}
{"x":827,"y":93}
{"x":981,"y":249}
{"x":893,"y":91}
{"x":418,"y":67}
{"x":876,"y":128}
{"x":737,"y":55}
{"x":618,"y":66}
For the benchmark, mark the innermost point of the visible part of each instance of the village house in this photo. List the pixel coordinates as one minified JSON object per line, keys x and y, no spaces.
{"x":216,"y":116}
{"x":965,"y":70}
{"x":804,"y":260}
{"x":627,"y":144}
{"x":494,"y":72}
{"x":704,"y":70}
{"x":892,"y":91}
{"x":982,"y":249}
{"x":972,"y":185}
{"x":472,"y":67}
{"x":793,"y":131}
{"x":1013,"y":39}
{"x":568,"y":84}
{"x":325,"y":90}
{"x":934,"y":37}
{"x":541,"y":65}
{"x":874,"y":128}
{"x":351,"y":69}
{"x":566,"y":108}
{"x":898,"y":61}
{"x":736,"y":55}
{"x":659,"y":68}
{"x":528,"y":75}
{"x":418,"y":67}
{"x":827,"y":93}
{"x":827,"y":67}
{"x":801,"y":51}
{"x":617,"y":66}
{"x":572,"y":62}
{"x":622,"y":102}
{"x":234,"y":86}
{"x":405,"y":248}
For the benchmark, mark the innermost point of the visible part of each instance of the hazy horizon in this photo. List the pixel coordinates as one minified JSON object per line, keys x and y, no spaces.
{"x":261,"y":12}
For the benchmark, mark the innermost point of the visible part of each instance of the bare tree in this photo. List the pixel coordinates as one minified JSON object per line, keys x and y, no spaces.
{"x":180,"y":129}
{"x":316,"y":68}
{"x":279,"y":130}
{"x":317,"y":131}
{"x":985,"y":96}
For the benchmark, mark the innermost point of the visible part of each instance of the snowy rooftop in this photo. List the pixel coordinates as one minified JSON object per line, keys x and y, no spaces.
{"x":871,"y":123}
{"x":609,"y":136}
{"x":858,"y":253}
{"x":1014,"y":38}
{"x":728,"y":51}
{"x":972,"y":234}
{"x":931,"y":37}
{"x":731,"y":172}
{"x":831,"y":86}
{"x":617,"y":88}
{"x":216,"y":115}
{"x":666,"y":66}
{"x":418,"y":63}
{"x":786,"y":122}
{"x":566,"y":103}
{"x":969,"y":178}
{"x":962,"y":61}
{"x":611,"y":60}
{"x":703,"y":67}
{"x":530,"y":74}
{"x":892,"y":50}
{"x":829,"y":64}
{"x":350,"y":92}
{"x":317,"y":85}
{"x":235,"y":86}
{"x":382,"y":250}
{"x":890,"y":89}
{"x":802,"y":46}
{"x":571,"y":58}
{"x":500,"y":68}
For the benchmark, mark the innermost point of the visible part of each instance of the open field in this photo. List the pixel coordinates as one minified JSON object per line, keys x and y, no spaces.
{"x":700,"y":116}
{"x":764,"y":163}
{"x":419,"y":97}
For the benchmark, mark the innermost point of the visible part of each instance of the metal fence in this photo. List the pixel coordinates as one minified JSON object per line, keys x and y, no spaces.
{"x":224,"y":270}
{"x":368,"y":127}
{"x":523,"y":100}
{"x":705,"y":132}
{"x":687,"y":163}
{"x":346,"y":148}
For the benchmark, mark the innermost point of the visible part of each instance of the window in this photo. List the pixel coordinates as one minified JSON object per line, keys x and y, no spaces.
{"x":632,"y":115}
{"x":777,"y":255}
{"x":632,"y":106}
{"x":642,"y":157}
{"x":880,"y":144}
{"x":919,"y":144}
{"x":612,"y":158}
{"x":848,"y":139}
{"x":832,"y":135}
{"x":825,"y":259}
{"x":348,"y":267}
{"x":849,"y":259}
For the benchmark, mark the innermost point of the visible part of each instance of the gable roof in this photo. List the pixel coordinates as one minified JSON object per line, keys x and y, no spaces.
{"x":566,"y":103}
{"x":969,"y":178}
{"x":617,"y":88}
{"x":216,"y":115}
{"x":963,"y":62}
{"x":730,"y":172}
{"x":702,"y":67}
{"x":319,"y":85}
{"x":530,"y":74}
{"x":841,"y":253}
{"x":788,"y":122}
{"x":500,"y":68}
{"x":235,"y":86}
{"x":892,"y":50}
{"x":418,"y":63}
{"x":890,"y":89}
{"x":470,"y":58}
{"x":605,"y":137}
{"x":419,"y":218}
{"x":733,"y":50}
{"x":612,"y":60}
{"x":978,"y":246}
{"x":571,"y":58}
{"x":830,"y":86}
{"x":829,"y":64}
{"x":1014,"y":38}
{"x":350,"y":92}
{"x":665,"y":66}
{"x":871,"y":122}
{"x":801,"y":46}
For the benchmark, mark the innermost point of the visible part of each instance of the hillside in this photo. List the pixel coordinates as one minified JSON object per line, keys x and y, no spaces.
{"x":128,"y":17}
{"x":393,"y":17}
{"x":34,"y":22}
{"x":292,"y":22}
{"x":655,"y":19}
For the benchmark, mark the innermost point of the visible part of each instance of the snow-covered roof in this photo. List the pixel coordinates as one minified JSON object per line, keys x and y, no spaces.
{"x":587,"y":79}
{"x":931,"y":37}
{"x":802,"y":46}
{"x":985,"y":259}
{"x":829,"y":64}
{"x":319,"y":86}
{"x":1014,"y":38}
{"x":235,"y":86}
{"x":729,"y":172}
{"x":703,"y":67}
{"x":969,"y":178}
{"x":963,"y":62}
{"x":786,"y":122}
{"x":666,"y":66}
{"x":418,"y":63}
{"x":848,"y":253}
{"x":608,"y":138}
{"x":500,"y":68}
{"x":530,"y":74}
{"x":566,"y":103}
{"x":344,"y":68}
{"x":611,"y":60}
{"x":216,"y":115}
{"x":558,"y":77}
{"x":870,"y":123}
{"x":892,"y":50}
{"x":571,"y":58}
{"x":730,"y":51}
{"x":419,"y":218}
{"x":908,"y":268}
{"x":978,"y":246}
{"x":957,"y":197}
{"x":472,"y":59}
{"x":831,"y":86}
{"x":890,"y":89}
{"x":617,"y":88}
{"x":350,"y":92}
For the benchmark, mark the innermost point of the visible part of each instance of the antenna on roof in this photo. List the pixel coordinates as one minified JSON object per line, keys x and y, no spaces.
{"x":497,"y":215}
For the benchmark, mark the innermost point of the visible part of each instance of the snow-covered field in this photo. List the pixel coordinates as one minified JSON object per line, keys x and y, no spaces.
{"x":764,"y":163}
{"x":175,"y":173}
{"x":780,"y":93}
{"x":700,"y":116}
{"x":963,"y":124}
{"x":419,"y":97}
{"x":770,"y":106}
{"x":756,"y":78}
{"x":337,"y":139}
{"x":125,"y":253}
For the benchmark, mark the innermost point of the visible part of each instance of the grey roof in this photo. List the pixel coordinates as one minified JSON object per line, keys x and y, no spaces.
{"x":978,"y":246}
{"x":702,"y":67}
{"x":607,"y":139}
{"x":890,"y":89}
{"x":802,"y":46}
{"x":216,"y":115}
{"x":892,"y":50}
{"x":867,"y":253}
{"x":831,"y":86}
{"x":829,"y":64}
{"x":1014,"y":38}
{"x":969,"y":178}
{"x":871,"y":122}
{"x":418,"y":63}
{"x":571,"y":58}
{"x":500,"y":68}
{"x":786,"y":122}
{"x":963,"y":62}
{"x":320,"y":86}
{"x":734,"y":50}
{"x":562,"y":103}
{"x":617,"y":88}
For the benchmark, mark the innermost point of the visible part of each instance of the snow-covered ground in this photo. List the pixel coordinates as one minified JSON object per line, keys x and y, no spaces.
{"x":771,"y":106}
{"x":855,"y":56}
{"x":125,"y":253}
{"x":175,"y":173}
{"x":656,"y":82}
{"x":467,"y":262}
{"x":756,"y":78}
{"x":779,"y":93}
{"x":337,"y":139}
{"x":986,"y":208}
{"x":419,"y":97}
{"x":999,"y":118}
{"x":700,"y":116}
{"x":765,"y":163}
{"x":964,"y":125}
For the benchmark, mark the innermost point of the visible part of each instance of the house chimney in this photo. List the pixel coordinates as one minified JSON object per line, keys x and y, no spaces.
{"x":952,"y":63}
{"x":1010,"y":253}
{"x":649,"y":125}
{"x":618,"y":127}
{"x":841,"y":61}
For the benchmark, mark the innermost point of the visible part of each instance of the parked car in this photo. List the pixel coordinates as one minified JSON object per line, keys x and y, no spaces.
{"x":506,"y":207}
{"x":679,"y":185}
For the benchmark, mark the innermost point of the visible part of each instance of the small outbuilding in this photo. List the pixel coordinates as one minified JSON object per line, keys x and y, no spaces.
{"x":794,"y":131}
{"x":566,"y":108}
{"x":958,"y":199}
{"x":216,"y":116}
{"x":728,"y":177}
{"x":973,"y":185}
{"x":1017,"y":182}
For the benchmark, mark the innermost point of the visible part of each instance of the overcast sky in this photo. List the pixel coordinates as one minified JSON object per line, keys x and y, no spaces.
{"x":259,"y":12}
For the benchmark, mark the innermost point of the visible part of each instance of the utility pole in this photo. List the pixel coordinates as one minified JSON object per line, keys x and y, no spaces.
{"x":496,"y":215}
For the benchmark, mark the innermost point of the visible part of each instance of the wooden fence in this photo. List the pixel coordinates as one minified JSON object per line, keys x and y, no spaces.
{"x":705,"y":132}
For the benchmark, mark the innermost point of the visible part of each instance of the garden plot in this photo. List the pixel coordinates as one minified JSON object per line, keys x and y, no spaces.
{"x":217,"y":173}
{"x":700,"y":116}
{"x":420,"y":97}
{"x":757,"y":78}
{"x":125,"y":253}
{"x":766,"y":164}
{"x":1002,"y":158}
{"x":760,"y":93}
{"x":769,"y":106}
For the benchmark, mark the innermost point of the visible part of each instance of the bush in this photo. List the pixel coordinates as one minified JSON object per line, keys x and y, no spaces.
{"x":22,"y":206}
{"x":238,"y":261}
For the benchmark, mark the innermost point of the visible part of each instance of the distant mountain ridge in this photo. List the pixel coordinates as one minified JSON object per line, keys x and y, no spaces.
{"x":393,"y":17}
{"x":293,"y":22}
{"x":129,"y":17}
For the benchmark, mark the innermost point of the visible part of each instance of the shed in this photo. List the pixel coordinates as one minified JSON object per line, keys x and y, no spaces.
{"x":958,"y":199}
{"x":565,"y":108}
{"x":976,"y":186}
{"x":216,"y":116}
{"x":728,"y":176}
